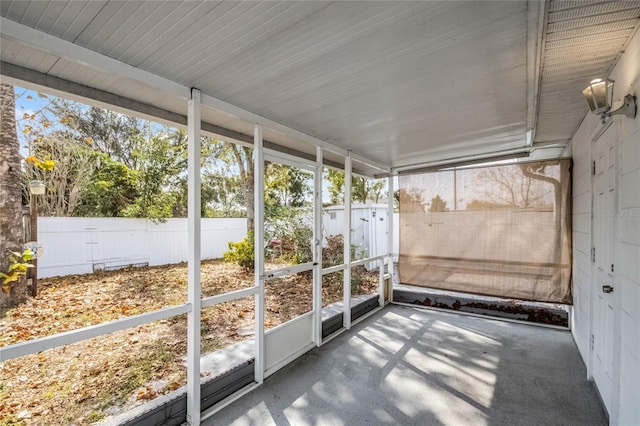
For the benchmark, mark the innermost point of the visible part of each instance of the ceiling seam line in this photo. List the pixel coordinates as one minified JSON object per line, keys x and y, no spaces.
{"x":89,"y":23}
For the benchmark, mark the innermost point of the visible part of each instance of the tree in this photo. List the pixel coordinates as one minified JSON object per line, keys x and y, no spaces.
{"x":66,"y":182}
{"x":233,"y":159}
{"x":222,"y":196}
{"x":410,"y":201}
{"x":362,"y":189}
{"x":438,"y":205}
{"x":113,"y":133}
{"x":285,"y":187}
{"x":336,"y":186}
{"x":509,"y":186}
{"x":11,"y":231}
{"x":112,"y":188}
{"x":160,"y":161}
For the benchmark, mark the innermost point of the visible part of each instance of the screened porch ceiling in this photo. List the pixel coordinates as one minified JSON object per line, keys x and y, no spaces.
{"x":400,"y":84}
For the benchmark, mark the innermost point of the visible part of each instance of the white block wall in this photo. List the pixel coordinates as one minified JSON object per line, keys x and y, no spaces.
{"x":74,"y":245}
{"x":627,"y":240}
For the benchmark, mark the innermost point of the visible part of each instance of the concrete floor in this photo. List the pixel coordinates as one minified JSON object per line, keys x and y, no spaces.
{"x":408,"y":366}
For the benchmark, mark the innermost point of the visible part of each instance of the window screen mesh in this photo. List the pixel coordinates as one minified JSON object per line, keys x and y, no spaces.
{"x":495,"y":230}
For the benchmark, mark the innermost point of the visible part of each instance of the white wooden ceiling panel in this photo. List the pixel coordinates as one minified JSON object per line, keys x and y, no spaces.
{"x":113,"y":19}
{"x":234,"y":23}
{"x":75,"y":18}
{"x":231,"y":40}
{"x":15,"y":10}
{"x":328,"y":30}
{"x":400,"y":82}
{"x":152,"y":21}
{"x":201,"y":26}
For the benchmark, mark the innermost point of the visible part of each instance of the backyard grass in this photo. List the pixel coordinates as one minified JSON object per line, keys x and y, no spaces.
{"x":87,"y":381}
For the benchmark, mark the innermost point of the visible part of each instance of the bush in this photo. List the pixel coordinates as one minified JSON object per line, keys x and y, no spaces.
{"x":292,"y":227}
{"x":242,"y":252}
{"x":333,"y":251}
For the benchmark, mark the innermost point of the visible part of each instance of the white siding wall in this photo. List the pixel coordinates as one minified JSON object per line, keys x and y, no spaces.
{"x":627,"y":238}
{"x":581,"y":149}
{"x":75,"y":245}
{"x":627,"y":249}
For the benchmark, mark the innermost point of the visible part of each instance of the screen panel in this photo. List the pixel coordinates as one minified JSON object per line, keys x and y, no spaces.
{"x":501,"y":230}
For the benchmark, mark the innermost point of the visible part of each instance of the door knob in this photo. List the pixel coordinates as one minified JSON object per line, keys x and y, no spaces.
{"x":607,"y":289}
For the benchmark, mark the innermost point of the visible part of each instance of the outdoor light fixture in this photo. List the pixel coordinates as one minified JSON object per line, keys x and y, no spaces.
{"x":599,"y":96}
{"x":37,"y":187}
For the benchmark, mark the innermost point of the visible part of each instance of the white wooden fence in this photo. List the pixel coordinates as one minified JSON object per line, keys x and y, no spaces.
{"x":82,"y":245}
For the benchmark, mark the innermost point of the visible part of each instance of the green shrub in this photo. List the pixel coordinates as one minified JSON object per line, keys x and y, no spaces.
{"x":242,"y":252}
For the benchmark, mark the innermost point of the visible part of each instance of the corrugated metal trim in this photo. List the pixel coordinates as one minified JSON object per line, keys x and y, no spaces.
{"x":594,"y":20}
{"x":589,"y":39}
{"x":583,"y":41}
{"x":592,"y":10}
{"x":570,"y":4}
{"x":595,"y":29}
{"x":609,"y":47}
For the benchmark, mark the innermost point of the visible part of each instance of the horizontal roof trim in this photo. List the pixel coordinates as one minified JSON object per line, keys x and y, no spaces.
{"x":81,"y":55}
{"x":23,"y":76}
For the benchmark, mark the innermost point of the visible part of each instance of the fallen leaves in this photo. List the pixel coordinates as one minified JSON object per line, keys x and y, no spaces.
{"x":82,"y":381}
{"x":146,"y":393}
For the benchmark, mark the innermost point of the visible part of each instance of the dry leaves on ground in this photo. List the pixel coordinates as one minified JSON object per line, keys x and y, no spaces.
{"x":84,"y":382}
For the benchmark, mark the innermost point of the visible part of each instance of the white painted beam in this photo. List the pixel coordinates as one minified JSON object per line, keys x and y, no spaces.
{"x":193,"y":265}
{"x":317,"y":249}
{"x":87,"y":57}
{"x":258,"y":235}
{"x":227,"y":297}
{"x":31,"y":79}
{"x":390,"y":235}
{"x":536,"y":24}
{"x":346,"y":318}
{"x":381,"y":282}
{"x":82,"y":56}
{"x":61,"y":339}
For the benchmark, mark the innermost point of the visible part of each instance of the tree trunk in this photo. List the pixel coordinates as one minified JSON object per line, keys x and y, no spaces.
{"x":11,"y":233}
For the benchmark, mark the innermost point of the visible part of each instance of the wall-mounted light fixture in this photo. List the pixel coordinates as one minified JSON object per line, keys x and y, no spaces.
{"x":36,"y":187}
{"x":599,"y":96}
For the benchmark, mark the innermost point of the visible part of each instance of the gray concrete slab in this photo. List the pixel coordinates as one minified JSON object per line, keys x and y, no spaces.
{"x":410,"y":366}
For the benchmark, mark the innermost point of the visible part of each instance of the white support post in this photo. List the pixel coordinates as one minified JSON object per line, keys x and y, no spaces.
{"x":381,"y":282}
{"x":346,"y":320}
{"x":258,"y":235}
{"x":390,"y":234}
{"x":317,"y":249}
{"x":193,"y":266}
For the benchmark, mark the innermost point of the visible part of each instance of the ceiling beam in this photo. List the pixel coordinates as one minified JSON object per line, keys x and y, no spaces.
{"x":25,"y":77}
{"x":536,"y":28}
{"x":85,"y":57}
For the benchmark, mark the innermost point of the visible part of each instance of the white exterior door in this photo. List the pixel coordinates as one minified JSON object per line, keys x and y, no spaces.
{"x":604,"y":211}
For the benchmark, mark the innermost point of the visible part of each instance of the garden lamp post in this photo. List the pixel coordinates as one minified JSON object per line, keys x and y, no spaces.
{"x":36,"y":188}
